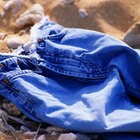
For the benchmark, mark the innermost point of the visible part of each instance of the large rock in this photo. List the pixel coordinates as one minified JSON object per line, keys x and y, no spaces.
{"x":132,"y":36}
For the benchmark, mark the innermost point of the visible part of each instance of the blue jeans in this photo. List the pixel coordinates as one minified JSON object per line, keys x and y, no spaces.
{"x":77,"y":79}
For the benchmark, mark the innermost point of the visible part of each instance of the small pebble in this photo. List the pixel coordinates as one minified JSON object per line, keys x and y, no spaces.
{"x":41,"y":137}
{"x":83,"y":13}
{"x":14,"y":42}
{"x":29,"y":134}
{"x":13,"y":5}
{"x":68,"y":136}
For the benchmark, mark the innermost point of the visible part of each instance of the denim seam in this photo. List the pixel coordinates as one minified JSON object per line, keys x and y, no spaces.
{"x":88,"y":65}
{"x":17,"y":74}
{"x":92,"y":67}
{"x":24,"y":98}
{"x":85,"y":75}
{"x":79,"y":61}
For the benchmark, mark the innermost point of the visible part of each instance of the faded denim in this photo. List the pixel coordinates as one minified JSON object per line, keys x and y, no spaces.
{"x":77,"y":79}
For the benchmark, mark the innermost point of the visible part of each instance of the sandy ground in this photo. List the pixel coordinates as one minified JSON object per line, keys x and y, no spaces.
{"x":110,"y":16}
{"x":113,"y":17}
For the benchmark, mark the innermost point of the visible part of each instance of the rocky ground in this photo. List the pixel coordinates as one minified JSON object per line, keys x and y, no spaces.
{"x":114,"y":17}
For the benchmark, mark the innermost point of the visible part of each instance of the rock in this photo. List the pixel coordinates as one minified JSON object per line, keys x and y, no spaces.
{"x":132,"y":36}
{"x":68,"y":136}
{"x":30,"y":16}
{"x":42,"y":137}
{"x":13,"y":5}
{"x":14,"y":42}
{"x":29,"y":134}
{"x":83,"y":13}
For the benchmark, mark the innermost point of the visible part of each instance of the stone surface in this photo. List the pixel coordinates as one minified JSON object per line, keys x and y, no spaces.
{"x":29,"y":134}
{"x":68,"y":136}
{"x":132,"y":36}
{"x":13,"y":5}
{"x":14,"y":42}
{"x":41,"y":137}
{"x":31,"y":16}
{"x":83,"y":13}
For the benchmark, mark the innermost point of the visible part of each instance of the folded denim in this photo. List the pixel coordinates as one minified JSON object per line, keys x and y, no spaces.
{"x":76,"y":79}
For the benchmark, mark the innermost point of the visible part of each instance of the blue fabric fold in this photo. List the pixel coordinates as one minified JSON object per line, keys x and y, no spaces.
{"x":76,"y":79}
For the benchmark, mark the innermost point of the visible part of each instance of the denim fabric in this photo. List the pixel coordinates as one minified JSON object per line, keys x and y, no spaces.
{"x":77,"y":79}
